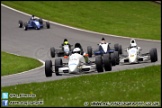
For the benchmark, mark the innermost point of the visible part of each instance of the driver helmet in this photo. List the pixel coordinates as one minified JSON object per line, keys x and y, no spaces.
{"x":133,"y":43}
{"x":103,"y":39}
{"x":77,"y":50}
{"x":32,"y":16}
{"x":65,"y":42}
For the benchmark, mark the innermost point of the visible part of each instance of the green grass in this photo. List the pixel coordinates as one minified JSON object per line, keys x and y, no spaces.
{"x":127,"y":86}
{"x":137,"y":19}
{"x":12,"y":64}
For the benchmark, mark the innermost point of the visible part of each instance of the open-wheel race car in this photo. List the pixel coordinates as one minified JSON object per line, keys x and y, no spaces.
{"x":33,"y":24}
{"x":134,"y":54}
{"x":104,"y":48}
{"x":64,"y":50}
{"x":75,"y":64}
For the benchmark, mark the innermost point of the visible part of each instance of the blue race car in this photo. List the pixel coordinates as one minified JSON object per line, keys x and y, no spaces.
{"x":33,"y":24}
{"x":105,"y":49}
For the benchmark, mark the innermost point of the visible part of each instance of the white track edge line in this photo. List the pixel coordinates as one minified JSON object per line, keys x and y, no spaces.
{"x":27,"y":70}
{"x":80,"y":29}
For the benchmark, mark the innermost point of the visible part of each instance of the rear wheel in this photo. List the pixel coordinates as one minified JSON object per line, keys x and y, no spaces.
{"x":155,"y":52}
{"x":116,"y":53}
{"x":116,"y":47}
{"x":20,"y":24}
{"x":48,"y":68}
{"x":120,"y":49}
{"x":152,"y":55}
{"x":98,"y":62}
{"x":107,"y":62}
{"x":58,"y":63}
{"x":89,"y":50}
{"x":47,"y":25}
{"x":113,"y":59}
{"x":52,"y":52}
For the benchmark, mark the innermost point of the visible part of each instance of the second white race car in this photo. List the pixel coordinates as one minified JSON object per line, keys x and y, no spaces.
{"x":134,"y":54}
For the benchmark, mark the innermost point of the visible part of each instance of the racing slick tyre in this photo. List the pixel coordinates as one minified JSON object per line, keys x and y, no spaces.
{"x":52,"y":52}
{"x":89,"y":51}
{"x":98,"y":62}
{"x":116,"y":53}
{"x":40,"y":21}
{"x":152,"y":55}
{"x":113,"y":59}
{"x":120,"y":49}
{"x":58,"y":63}
{"x":107,"y":62}
{"x":25,"y":26}
{"x":116,"y":47}
{"x":48,"y":68}
{"x":155,"y":51}
{"x":20,"y":24}
{"x":47,"y":25}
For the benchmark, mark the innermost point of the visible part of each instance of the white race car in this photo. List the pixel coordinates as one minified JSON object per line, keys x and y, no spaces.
{"x":76,"y":65}
{"x":135,"y":56}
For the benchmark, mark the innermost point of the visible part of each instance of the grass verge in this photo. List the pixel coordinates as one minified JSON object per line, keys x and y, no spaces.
{"x":12,"y":64}
{"x":125,"y":86}
{"x":137,"y":19}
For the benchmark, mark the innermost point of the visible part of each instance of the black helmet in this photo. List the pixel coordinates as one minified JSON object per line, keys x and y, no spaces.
{"x":32,"y":15}
{"x":103,"y":39}
{"x":65,"y":40}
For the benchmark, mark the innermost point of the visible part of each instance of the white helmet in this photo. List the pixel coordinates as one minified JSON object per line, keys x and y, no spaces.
{"x":77,"y":50}
{"x":133,"y":43}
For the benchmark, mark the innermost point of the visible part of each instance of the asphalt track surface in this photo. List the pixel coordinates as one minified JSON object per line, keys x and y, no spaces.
{"x":37,"y":43}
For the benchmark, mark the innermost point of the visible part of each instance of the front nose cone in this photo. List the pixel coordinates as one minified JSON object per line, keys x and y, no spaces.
{"x":132,"y":58}
{"x":73,"y":68}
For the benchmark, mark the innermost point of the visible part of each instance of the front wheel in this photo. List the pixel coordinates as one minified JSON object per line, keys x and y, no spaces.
{"x":25,"y":26}
{"x":47,"y":25}
{"x":52,"y":52}
{"x":89,"y":51}
{"x":48,"y":68}
{"x":20,"y":24}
